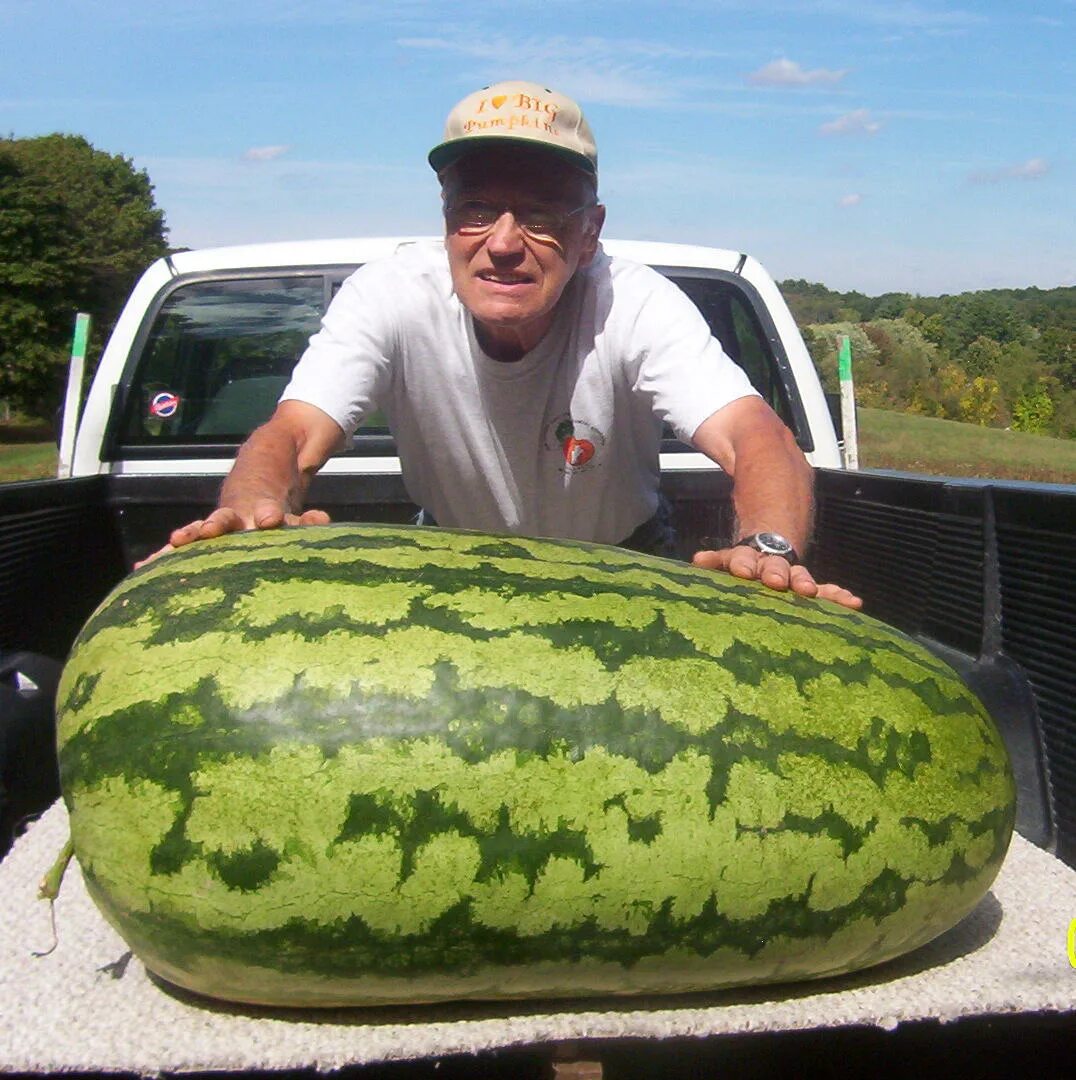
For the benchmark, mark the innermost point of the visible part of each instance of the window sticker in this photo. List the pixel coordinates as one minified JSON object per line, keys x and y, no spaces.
{"x":164,"y":405}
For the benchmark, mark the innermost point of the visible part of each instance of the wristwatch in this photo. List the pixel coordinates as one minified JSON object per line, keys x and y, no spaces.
{"x":770,"y":543}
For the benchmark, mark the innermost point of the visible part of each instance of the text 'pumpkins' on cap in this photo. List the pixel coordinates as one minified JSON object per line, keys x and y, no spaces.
{"x":518,"y":112}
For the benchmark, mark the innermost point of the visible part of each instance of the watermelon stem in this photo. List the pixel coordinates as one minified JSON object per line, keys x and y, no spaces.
{"x":49,"y":889}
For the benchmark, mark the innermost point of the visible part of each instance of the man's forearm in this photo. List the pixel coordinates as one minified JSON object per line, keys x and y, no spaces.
{"x":773,"y":491}
{"x":266,"y":470}
{"x":772,"y":481}
{"x":275,"y":465}
{"x":773,"y":487}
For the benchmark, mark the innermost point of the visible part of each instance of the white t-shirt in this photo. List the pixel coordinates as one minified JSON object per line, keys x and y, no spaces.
{"x":563,"y":442}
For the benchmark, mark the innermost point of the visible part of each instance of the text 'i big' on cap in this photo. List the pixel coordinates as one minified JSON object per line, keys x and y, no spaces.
{"x":519,"y":112}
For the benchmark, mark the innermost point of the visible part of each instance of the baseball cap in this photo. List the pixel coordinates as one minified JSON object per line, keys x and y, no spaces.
{"x":522,"y":113}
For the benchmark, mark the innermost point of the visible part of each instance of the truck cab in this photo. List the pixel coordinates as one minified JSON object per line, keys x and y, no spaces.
{"x":208,"y":339}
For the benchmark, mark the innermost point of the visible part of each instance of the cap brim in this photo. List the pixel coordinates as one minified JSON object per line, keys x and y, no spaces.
{"x":448,"y":153}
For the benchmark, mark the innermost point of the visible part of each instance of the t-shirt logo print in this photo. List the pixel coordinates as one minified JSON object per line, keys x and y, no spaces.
{"x":577,"y":441}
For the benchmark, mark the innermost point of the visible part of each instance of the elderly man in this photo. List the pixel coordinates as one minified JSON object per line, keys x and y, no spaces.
{"x":525,"y":375}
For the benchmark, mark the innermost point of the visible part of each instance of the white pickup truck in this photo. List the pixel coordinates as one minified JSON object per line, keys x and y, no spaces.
{"x":979,"y":571}
{"x":208,"y":339}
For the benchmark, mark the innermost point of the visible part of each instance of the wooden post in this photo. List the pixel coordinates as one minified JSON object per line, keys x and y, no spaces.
{"x":73,"y":400}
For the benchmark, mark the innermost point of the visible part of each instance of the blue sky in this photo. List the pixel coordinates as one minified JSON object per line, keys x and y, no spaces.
{"x":920,"y":145}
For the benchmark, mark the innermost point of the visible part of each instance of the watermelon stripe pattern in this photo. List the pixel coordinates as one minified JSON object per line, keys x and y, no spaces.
{"x":362,"y":764}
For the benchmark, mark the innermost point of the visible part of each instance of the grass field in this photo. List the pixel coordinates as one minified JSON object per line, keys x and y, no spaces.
{"x":26,"y":460}
{"x":893,"y":440}
{"x":887,"y":440}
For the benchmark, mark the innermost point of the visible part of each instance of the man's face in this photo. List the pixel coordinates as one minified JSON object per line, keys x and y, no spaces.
{"x":508,"y":278}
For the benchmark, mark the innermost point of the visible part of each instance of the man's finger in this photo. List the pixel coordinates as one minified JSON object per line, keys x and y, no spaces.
{"x":711,"y":559}
{"x":740,"y":561}
{"x":307,"y":517}
{"x":269,"y":515}
{"x":155,"y":555}
{"x":802,"y":581}
{"x":185,"y":534}
{"x":751,"y":565}
{"x":222,"y":520}
{"x":838,"y":595}
{"x":776,"y":573}
{"x":314,"y":517}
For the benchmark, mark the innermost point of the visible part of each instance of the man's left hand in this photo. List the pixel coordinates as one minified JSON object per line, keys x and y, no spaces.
{"x":774,"y":572}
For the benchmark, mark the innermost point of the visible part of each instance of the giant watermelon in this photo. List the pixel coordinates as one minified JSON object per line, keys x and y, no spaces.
{"x":356,"y":765}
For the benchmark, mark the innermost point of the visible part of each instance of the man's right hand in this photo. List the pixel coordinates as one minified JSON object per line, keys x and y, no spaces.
{"x":270,"y":476}
{"x":266,"y":515}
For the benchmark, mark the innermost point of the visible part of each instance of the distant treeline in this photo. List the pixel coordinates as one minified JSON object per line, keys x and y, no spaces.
{"x":999,"y":358}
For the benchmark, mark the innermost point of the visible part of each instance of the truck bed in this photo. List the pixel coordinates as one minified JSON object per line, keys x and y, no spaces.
{"x":981,"y":572}
{"x":88,"y":1007}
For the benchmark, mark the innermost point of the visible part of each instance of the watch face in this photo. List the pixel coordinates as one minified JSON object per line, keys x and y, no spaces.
{"x":773,"y":544}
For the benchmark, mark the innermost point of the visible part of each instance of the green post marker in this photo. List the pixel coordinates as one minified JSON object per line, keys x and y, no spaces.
{"x":73,"y":398}
{"x":82,"y":335}
{"x":844,"y":360}
{"x":848,"y":404}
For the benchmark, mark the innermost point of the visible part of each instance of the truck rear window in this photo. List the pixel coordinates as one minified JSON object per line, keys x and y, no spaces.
{"x":217,"y":357}
{"x":219,"y":352}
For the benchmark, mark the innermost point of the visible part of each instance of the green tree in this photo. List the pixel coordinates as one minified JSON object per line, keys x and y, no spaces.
{"x":1057,"y":350}
{"x":981,"y":402}
{"x":974,"y":315}
{"x":933,"y":328}
{"x":891,"y":306}
{"x":941,"y":396}
{"x":982,"y":357}
{"x":77,"y":227}
{"x":1033,"y":410}
{"x":823,"y":343}
{"x":891,"y":360}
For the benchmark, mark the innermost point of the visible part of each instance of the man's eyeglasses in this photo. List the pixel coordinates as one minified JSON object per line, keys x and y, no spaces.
{"x":472,"y":217}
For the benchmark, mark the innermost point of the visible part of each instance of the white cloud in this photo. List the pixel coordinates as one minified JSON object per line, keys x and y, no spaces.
{"x":1032,"y":169}
{"x":857,"y":122}
{"x":265,"y":153}
{"x":785,"y":72}
{"x":852,"y":199}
